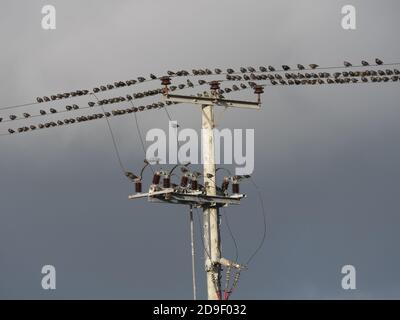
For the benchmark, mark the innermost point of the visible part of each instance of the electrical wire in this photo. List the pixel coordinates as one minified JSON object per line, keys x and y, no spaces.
{"x":222,"y":73}
{"x":264,"y":223}
{"x":231,"y":234}
{"x":113,"y":139}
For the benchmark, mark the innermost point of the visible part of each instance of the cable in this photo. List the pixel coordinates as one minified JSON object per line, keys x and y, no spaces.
{"x":231,"y":234}
{"x":214,"y":74}
{"x":113,"y":139}
{"x":264,"y":223}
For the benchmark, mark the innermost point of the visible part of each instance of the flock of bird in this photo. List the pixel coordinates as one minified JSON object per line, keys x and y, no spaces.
{"x":300,"y":75}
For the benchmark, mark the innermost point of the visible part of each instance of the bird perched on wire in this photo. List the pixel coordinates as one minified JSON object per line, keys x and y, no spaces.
{"x":313,"y":66}
{"x":217,"y":71}
{"x":243,"y":70}
{"x":300,"y":67}
{"x":11,"y":131}
{"x":26,"y":115}
{"x":347,"y":64}
{"x":263,"y":69}
{"x":13,"y":117}
{"x":39,"y":100}
{"x":271,"y":68}
{"x":152,"y":76}
{"x":285,"y":67}
{"x":378,"y":61}
{"x":53,"y":110}
{"x":365,"y":63}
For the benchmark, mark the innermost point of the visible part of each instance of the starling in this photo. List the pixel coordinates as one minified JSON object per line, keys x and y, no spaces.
{"x":189,"y":83}
{"x":152,"y":76}
{"x":201,"y":82}
{"x":53,"y":110}
{"x":39,"y":100}
{"x":26,"y":115}
{"x":170,"y":73}
{"x":271,"y":68}
{"x":314,"y":66}
{"x":75,"y":107}
{"x":42,"y":112}
{"x":330,"y":81}
{"x":13,"y":117}
{"x":208,"y":71}
{"x":243,"y":86}
{"x":300,"y":67}
{"x":347,"y":64}
{"x":230,"y":71}
{"x":181,"y":86}
{"x":141,"y":79}
{"x":217,"y":71}
{"x":1,"y":119}
{"x":364,"y":63}
{"x":235,"y":87}
{"x":41,"y":126}
{"x":91,"y":104}
{"x":32,"y":127}
{"x":53,"y":97}
{"x":263,"y":69}
{"x":396,"y":71}
{"x":251,"y":69}
{"x":364,"y":79}
{"x":285,"y":67}
{"x":47,"y":99}
{"x":11,"y":131}
{"x":378,"y":61}
{"x":243,"y":70}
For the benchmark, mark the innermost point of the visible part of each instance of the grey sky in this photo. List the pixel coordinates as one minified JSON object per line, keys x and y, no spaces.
{"x":326,"y":157}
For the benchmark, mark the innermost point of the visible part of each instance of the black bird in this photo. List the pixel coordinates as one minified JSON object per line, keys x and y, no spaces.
{"x":285,"y":67}
{"x":300,"y":67}
{"x":141,"y":79}
{"x":364,"y":79}
{"x":47,"y":99}
{"x":153,"y":76}
{"x":26,"y":115}
{"x":181,"y":86}
{"x":396,"y":71}
{"x":13,"y":117}
{"x":189,"y":83}
{"x":230,"y":71}
{"x":32,"y":127}
{"x":347,"y":64}
{"x":314,"y":66}
{"x":378,"y":61}
{"x":53,"y":110}
{"x":201,"y":82}
{"x":235,"y":87}
{"x":53,"y":97}
{"x":11,"y":131}
{"x":1,"y":119}
{"x":110,"y":87}
{"x":42,"y":112}
{"x":170,"y":73}
{"x":208,"y":71}
{"x":364,"y":63}
{"x":91,"y":104}
{"x":41,"y":126}
{"x":75,"y":107}
{"x":251,"y":69}
{"x":243,"y":70}
{"x":217,"y":71}
{"x":69,"y":108}
{"x":330,"y":81}
{"x":271,"y":68}
{"x":38,"y":99}
{"x":263,"y":69}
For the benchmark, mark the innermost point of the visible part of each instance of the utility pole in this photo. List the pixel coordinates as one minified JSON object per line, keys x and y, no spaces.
{"x":209,"y":200}
{"x":210,"y":214}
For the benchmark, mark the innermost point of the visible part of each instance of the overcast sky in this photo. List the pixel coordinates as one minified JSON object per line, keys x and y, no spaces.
{"x":326,"y":156}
